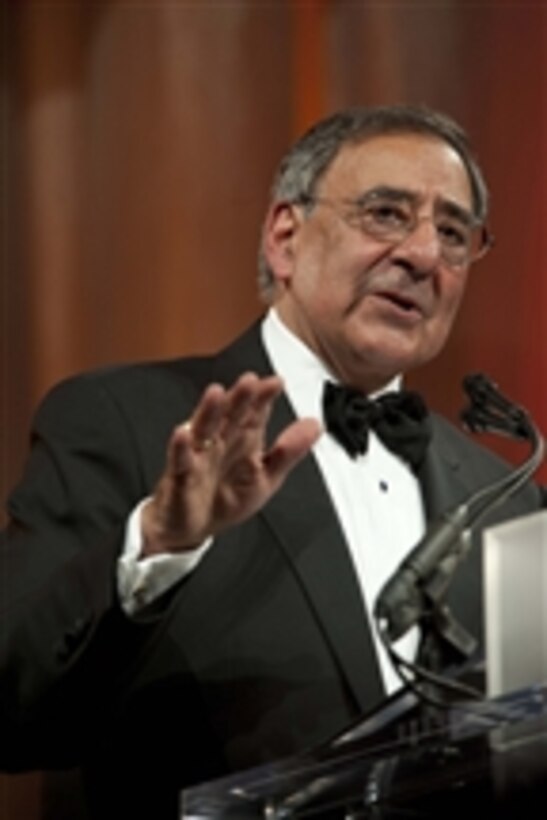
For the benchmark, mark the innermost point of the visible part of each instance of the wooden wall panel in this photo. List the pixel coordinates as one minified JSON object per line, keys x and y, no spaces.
{"x":140,"y":142}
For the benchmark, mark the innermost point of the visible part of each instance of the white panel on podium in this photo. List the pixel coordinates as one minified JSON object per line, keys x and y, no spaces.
{"x":515,"y":595}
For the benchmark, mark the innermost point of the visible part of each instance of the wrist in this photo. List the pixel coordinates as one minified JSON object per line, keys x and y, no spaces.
{"x":155,"y":540}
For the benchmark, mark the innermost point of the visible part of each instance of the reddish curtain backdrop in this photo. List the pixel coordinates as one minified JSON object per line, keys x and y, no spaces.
{"x":138,"y":142}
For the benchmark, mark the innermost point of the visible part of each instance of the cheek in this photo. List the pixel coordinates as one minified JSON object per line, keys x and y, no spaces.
{"x":323,"y":280}
{"x":451,"y":295}
{"x":446,"y":315}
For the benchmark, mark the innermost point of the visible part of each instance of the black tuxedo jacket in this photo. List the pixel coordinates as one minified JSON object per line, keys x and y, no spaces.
{"x":264,"y":650}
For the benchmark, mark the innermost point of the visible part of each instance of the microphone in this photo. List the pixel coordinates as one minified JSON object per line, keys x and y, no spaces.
{"x":424,"y":575}
{"x":401,"y":601}
{"x":491,"y":410}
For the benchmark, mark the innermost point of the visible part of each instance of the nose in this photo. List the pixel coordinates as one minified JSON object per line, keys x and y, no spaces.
{"x":421,"y":247}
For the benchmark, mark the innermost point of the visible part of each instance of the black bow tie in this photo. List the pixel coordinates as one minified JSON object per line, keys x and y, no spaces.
{"x":401,"y":421}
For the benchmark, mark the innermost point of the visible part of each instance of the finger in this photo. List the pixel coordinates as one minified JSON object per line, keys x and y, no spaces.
{"x":207,"y":418}
{"x":270,"y":389}
{"x":180,"y":452}
{"x":239,"y":400}
{"x":290,"y":447}
{"x":248,"y":401}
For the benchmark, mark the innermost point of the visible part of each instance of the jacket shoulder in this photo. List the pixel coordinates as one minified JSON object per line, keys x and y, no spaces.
{"x":156,"y":382}
{"x":478,"y":464}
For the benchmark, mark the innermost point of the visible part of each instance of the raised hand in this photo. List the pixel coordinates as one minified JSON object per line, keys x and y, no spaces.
{"x":217,"y":470}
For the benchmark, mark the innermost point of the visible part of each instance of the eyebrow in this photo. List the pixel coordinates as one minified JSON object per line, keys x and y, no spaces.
{"x":457,"y":212}
{"x":445,"y":206}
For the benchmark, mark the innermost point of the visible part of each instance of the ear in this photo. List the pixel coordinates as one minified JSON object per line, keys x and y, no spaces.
{"x":281,"y":226}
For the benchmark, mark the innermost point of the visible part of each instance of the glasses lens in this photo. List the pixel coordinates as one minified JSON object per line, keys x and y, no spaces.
{"x":461,"y":253}
{"x":385,"y":219}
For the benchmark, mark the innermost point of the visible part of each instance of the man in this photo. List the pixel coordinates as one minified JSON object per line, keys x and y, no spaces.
{"x":191,"y":561}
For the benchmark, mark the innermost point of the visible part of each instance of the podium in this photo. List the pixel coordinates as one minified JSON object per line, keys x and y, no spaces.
{"x":409,"y":760}
{"x":405,"y":761}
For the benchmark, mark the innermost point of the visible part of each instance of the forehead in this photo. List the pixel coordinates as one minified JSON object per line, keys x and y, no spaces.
{"x":421,"y":164}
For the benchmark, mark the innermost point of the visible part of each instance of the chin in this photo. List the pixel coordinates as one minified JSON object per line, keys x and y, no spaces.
{"x":386,"y":363}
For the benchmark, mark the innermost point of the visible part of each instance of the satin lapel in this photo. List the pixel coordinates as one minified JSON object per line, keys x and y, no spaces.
{"x":440,"y":477}
{"x":303,"y":519}
{"x":306,"y":527}
{"x":446,"y":483}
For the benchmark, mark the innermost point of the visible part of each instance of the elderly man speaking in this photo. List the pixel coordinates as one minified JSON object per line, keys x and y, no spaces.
{"x":196,"y":545}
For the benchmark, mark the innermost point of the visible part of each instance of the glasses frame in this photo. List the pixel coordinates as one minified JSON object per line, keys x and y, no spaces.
{"x":487,"y":239}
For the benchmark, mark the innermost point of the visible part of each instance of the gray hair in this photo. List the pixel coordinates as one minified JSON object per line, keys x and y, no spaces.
{"x":309,"y":158}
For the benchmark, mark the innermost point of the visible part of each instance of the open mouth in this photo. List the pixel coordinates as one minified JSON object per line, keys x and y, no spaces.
{"x":403,"y":303}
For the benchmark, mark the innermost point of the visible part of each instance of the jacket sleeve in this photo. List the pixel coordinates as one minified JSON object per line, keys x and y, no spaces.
{"x":65,"y":645}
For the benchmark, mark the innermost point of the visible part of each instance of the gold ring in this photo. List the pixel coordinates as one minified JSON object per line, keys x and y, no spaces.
{"x":203,"y":444}
{"x":200,"y":445}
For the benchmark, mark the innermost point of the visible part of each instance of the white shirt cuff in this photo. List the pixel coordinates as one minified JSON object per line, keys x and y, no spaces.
{"x":140,"y":582}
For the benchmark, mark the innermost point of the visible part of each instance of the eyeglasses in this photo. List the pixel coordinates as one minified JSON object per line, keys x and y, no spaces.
{"x":392,"y":216}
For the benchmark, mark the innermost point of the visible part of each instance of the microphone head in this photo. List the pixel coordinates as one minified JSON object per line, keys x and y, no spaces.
{"x":474,"y":420}
{"x":479,"y":387}
{"x":491,"y":411}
